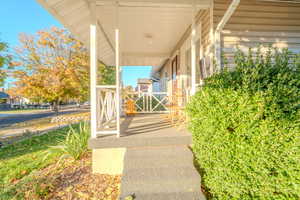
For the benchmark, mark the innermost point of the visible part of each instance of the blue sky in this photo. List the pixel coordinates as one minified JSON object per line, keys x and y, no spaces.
{"x":132,"y":73}
{"x":28,"y":16}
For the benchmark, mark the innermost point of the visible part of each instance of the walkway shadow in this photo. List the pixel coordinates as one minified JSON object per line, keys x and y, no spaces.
{"x":201,"y":171}
{"x":143,"y":124}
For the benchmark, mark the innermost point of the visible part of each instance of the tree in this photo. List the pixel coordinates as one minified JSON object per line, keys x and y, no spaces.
{"x":106,"y":75}
{"x":52,"y":66}
{"x":4,"y":60}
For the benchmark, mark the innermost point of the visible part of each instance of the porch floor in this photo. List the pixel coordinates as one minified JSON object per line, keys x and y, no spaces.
{"x":143,"y":130}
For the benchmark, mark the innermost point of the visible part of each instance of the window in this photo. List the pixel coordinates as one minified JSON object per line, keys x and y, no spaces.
{"x":188,"y":67}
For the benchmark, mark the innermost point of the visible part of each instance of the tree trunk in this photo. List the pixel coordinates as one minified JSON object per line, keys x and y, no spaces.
{"x":55,"y":106}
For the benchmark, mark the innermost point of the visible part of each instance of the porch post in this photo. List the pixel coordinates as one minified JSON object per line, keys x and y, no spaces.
{"x":201,"y":56}
{"x":117,"y":69}
{"x":193,"y":50}
{"x":218,"y":50}
{"x":93,"y":78}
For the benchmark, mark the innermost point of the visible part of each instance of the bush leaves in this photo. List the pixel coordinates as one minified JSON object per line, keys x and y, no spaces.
{"x":245,"y":125}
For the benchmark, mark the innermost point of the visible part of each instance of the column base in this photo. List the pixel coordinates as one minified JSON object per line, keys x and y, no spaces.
{"x":108,"y":161}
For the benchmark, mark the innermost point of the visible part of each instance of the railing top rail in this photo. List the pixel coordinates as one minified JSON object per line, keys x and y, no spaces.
{"x":106,"y":86}
{"x":108,"y":90}
{"x":150,"y":93}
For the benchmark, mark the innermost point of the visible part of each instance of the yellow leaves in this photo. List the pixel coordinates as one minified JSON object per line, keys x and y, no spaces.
{"x":19,"y":74}
{"x":15,"y":64}
{"x":70,"y":180}
{"x":54,"y":65}
{"x":24,"y":172}
{"x":60,"y":58}
{"x":14,"y":181}
{"x":42,"y":42}
{"x":82,"y":195}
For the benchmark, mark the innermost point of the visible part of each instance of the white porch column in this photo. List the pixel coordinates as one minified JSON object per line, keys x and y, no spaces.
{"x":93,"y":68}
{"x":229,"y":12}
{"x":93,"y":79}
{"x":193,"y":50}
{"x":117,"y":39}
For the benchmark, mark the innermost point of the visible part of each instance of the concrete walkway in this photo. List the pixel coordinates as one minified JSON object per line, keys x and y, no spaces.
{"x":160,"y":173}
{"x":158,"y":164}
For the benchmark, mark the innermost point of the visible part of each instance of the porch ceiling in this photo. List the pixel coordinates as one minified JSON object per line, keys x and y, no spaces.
{"x":149,"y":29}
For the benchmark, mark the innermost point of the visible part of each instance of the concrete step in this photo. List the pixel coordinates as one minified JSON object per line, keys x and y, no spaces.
{"x":160,"y":173}
{"x":170,"y":196}
{"x":159,"y":180}
{"x":158,"y":162}
{"x":166,"y":157}
{"x":163,"y":151}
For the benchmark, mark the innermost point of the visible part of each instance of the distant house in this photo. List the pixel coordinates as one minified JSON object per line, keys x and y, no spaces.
{"x":4,"y":101}
{"x":18,"y":101}
{"x":144,"y":85}
{"x":4,"y":98}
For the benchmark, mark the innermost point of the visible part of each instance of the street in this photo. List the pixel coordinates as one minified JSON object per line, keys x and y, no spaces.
{"x":8,"y":120}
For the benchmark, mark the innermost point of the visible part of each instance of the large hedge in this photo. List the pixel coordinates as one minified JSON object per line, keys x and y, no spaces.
{"x":246,"y":128}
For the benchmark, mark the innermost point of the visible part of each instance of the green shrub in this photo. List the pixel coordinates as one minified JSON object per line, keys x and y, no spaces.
{"x":276,"y":74}
{"x":75,"y":144}
{"x":246,"y":130}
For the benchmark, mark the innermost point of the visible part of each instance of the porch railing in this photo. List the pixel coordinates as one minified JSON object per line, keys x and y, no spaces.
{"x":147,"y":102}
{"x":106,"y":110}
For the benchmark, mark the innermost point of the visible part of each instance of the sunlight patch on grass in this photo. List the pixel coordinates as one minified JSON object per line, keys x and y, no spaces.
{"x":20,"y":159}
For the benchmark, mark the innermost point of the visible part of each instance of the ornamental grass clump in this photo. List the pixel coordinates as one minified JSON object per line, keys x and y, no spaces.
{"x":246,"y":128}
{"x":75,"y":144}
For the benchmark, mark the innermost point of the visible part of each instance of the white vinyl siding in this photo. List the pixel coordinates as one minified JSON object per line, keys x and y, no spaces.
{"x":257,"y":23}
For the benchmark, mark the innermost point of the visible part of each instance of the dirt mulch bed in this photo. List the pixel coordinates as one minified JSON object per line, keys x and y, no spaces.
{"x":71,"y":180}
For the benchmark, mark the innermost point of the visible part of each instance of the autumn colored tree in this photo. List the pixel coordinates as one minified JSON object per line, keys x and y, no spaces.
{"x":51,"y":66}
{"x":106,"y":75}
{"x":14,"y":92}
{"x":4,"y":60}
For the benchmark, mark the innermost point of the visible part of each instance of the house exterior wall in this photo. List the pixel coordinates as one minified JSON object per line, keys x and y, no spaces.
{"x":257,"y":23}
{"x":204,"y":52}
{"x":254,"y":23}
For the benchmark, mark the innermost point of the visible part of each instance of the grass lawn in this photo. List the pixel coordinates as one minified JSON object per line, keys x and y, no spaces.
{"x":27,"y":173}
{"x":22,"y":158}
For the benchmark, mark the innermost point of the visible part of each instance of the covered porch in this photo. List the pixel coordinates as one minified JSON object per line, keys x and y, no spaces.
{"x":129,"y":33}
{"x":136,"y":33}
{"x":151,"y":154}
